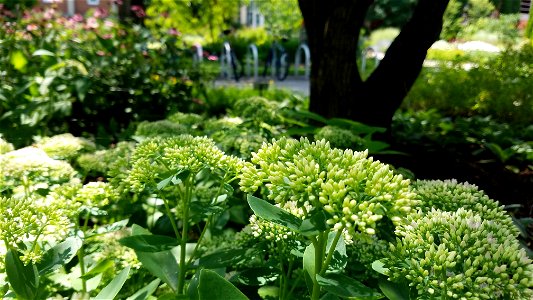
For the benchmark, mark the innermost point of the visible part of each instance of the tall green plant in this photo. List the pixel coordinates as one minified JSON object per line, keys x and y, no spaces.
{"x":326,"y":196}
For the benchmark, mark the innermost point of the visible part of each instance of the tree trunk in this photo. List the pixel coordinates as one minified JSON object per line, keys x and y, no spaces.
{"x":337,"y":89}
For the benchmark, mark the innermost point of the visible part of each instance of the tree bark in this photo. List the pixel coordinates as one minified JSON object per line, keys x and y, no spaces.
{"x":337,"y":89}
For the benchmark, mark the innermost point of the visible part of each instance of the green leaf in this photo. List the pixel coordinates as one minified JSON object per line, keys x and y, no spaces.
{"x":99,"y":268}
{"x":346,"y":287}
{"x":221,"y":258}
{"x":59,"y":255}
{"x":339,"y":258}
{"x":274,"y":214}
{"x":24,"y":280}
{"x":162,"y":264}
{"x":309,"y":266}
{"x":214,"y":287}
{"x":355,"y":127}
{"x":314,"y":225}
{"x":329,"y":296}
{"x":112,"y":289}
{"x":175,"y":178}
{"x":272,"y":292}
{"x":149,"y":242}
{"x":393,"y":291}
{"x":379,"y":267}
{"x":111,"y":227}
{"x":18,"y":60}
{"x":146,"y":291}
{"x":307,"y":115}
{"x":43,"y":52}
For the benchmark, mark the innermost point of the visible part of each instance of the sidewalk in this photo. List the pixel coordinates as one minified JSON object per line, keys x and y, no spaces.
{"x":296,"y":84}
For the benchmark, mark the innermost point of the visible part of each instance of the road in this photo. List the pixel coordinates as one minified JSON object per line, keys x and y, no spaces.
{"x":296,"y":84}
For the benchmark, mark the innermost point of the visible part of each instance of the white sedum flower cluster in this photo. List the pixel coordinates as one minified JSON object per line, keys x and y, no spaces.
{"x":64,"y":146}
{"x":450,"y":195}
{"x":155,"y":157}
{"x":459,"y":255}
{"x":355,"y":191}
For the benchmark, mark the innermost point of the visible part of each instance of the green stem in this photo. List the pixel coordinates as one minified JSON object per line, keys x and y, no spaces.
{"x":331,"y":251}
{"x":171,"y":217}
{"x":207,"y":224}
{"x":319,"y":254}
{"x":184,"y":235}
{"x":81,"y":257}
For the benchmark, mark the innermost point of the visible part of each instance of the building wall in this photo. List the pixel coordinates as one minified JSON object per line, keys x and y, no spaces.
{"x":69,"y":7}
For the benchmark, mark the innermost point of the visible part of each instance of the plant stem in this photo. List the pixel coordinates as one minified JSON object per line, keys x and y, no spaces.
{"x":81,"y":257}
{"x":207,"y":224}
{"x":184,"y":235}
{"x":319,"y":255}
{"x":331,"y":251}
{"x":171,"y":217}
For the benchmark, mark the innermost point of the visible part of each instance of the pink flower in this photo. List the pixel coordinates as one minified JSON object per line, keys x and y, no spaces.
{"x":174,"y":32}
{"x":77,"y":18}
{"x":138,"y":10}
{"x":91,"y":23}
{"x":108,"y":24}
{"x":100,"y":53}
{"x":212,"y":58}
{"x":100,"y":13}
{"x":107,"y":36}
{"x":31,"y":27}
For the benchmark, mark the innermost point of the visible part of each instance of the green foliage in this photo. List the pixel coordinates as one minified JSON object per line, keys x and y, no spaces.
{"x":98,"y":84}
{"x":500,"y":88}
{"x":460,"y":254}
{"x":204,"y":17}
{"x":65,"y":146}
{"x":283,"y":17}
{"x":340,"y":138}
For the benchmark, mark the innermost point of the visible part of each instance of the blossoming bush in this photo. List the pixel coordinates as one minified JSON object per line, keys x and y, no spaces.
{"x":85,"y":74}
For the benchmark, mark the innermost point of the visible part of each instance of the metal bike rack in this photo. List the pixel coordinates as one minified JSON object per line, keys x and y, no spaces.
{"x":298,"y":60}
{"x":198,"y":54}
{"x":225,"y":60}
{"x":369,"y":52}
{"x":254,"y":64}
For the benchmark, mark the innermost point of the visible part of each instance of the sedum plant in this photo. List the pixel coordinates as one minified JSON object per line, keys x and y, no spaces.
{"x":29,"y":169}
{"x":5,"y":146}
{"x":64,"y":146}
{"x":450,"y":195}
{"x":459,"y":255}
{"x":340,"y":193}
{"x":174,"y":169}
{"x":340,"y":137}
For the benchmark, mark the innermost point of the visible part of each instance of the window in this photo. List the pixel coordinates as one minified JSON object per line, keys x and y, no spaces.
{"x":93,"y":2}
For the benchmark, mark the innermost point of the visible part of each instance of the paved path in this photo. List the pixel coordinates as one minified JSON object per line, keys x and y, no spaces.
{"x":296,"y":84}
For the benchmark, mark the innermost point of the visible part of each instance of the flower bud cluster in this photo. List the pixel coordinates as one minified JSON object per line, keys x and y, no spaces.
{"x":258,"y":109}
{"x":460,"y":255}
{"x":364,"y":250}
{"x":24,"y":220}
{"x":32,"y":168}
{"x":278,"y":237}
{"x":355,"y":191}
{"x":5,"y":146}
{"x":190,"y":120}
{"x":162,"y":128}
{"x":106,"y":161}
{"x":340,"y":138}
{"x":450,"y":195}
{"x":64,"y":146}
{"x":155,"y":157}
{"x":96,"y":194}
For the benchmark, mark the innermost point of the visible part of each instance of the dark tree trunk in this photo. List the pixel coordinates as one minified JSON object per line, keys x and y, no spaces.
{"x":337,"y":89}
